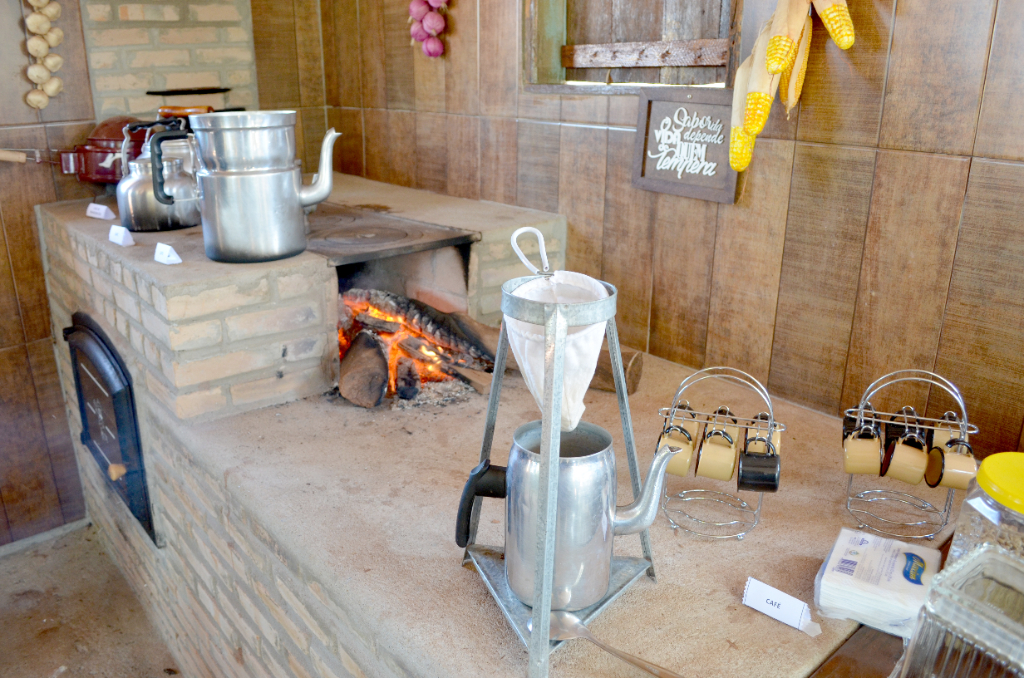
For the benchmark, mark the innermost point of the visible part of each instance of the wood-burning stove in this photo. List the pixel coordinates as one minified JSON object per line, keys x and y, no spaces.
{"x":106,"y":403}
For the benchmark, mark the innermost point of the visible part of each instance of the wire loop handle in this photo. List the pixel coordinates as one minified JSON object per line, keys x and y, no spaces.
{"x":522,"y":257}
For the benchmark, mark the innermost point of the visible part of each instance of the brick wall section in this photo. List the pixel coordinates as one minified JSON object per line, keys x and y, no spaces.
{"x":255,"y":336}
{"x":222,"y":593}
{"x":171,"y":44}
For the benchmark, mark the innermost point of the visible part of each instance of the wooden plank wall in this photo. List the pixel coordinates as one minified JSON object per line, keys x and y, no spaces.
{"x":39,"y":484}
{"x":879,"y":228}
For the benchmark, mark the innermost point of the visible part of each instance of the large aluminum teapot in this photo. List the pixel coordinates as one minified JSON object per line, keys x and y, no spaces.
{"x":250,"y":183}
{"x":586,"y":518}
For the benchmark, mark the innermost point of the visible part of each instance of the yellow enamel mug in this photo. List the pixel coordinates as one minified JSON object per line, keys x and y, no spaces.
{"x":862,"y":452}
{"x":952,"y":465}
{"x":755,"y":438}
{"x":680,"y":437}
{"x":908,"y":461}
{"x":717,"y":456}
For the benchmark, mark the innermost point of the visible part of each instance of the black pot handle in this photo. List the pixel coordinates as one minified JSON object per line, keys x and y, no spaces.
{"x":157,"y":158}
{"x":484,"y":481}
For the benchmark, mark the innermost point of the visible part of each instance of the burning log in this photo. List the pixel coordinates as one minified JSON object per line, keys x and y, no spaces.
{"x":363,"y":378}
{"x":378,"y":324}
{"x":407,"y":379}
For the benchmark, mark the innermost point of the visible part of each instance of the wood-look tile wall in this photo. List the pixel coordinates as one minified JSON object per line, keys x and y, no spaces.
{"x":879,"y":225}
{"x":39,"y":483}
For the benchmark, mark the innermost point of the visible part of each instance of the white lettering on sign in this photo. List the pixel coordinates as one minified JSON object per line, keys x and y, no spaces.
{"x":683,"y":143}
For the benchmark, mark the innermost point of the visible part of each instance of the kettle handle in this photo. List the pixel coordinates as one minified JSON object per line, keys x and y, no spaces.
{"x":157,"y":159}
{"x":484,"y":481}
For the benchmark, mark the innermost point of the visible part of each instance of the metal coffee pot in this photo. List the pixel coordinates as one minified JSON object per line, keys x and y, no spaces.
{"x":250,"y":183}
{"x":587,"y":517}
{"x":136,"y":201}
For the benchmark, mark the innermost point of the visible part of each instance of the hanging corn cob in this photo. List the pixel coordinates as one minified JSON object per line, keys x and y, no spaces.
{"x":741,"y":144}
{"x":836,"y":17}
{"x":761,"y":88}
{"x":786,"y":25}
{"x":793,"y":80}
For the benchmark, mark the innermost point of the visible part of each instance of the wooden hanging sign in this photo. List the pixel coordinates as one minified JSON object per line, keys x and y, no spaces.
{"x":682,"y":143}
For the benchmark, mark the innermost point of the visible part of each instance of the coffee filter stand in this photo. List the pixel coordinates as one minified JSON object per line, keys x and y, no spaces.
{"x":877,"y":509}
{"x":488,"y":561}
{"x":721,"y":505}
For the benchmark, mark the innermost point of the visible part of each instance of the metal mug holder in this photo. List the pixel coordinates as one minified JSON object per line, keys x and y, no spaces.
{"x":875,"y":509}
{"x":488,"y":561}
{"x":762,"y":428}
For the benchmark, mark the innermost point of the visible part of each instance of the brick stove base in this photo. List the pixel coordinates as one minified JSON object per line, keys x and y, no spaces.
{"x":206,"y":343}
{"x":219,"y":592}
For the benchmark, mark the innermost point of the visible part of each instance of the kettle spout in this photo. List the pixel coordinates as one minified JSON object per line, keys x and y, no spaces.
{"x":321,"y":187}
{"x":641,"y":513}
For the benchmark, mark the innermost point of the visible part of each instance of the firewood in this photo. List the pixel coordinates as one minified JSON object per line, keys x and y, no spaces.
{"x":363,"y":379}
{"x":632,"y":364}
{"x":378,"y":324}
{"x":483,"y":335}
{"x":407,"y":379}
{"x":481,"y":381}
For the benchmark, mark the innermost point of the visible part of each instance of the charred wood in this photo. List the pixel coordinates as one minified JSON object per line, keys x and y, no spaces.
{"x":407,"y":379}
{"x":363,"y":377}
{"x":377,"y":324}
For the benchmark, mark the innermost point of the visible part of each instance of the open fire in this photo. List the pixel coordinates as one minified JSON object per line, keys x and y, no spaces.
{"x":390,"y":345}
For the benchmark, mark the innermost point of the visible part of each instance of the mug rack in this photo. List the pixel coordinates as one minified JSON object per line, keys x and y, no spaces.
{"x":879,"y":509}
{"x":721,"y":521}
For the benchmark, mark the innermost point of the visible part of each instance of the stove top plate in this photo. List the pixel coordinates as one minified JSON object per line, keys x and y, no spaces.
{"x":349,"y":235}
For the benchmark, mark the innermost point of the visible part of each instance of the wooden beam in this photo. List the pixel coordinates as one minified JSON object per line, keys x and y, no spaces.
{"x":713,"y":52}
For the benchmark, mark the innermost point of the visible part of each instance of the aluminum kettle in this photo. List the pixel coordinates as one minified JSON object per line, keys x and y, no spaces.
{"x":587,"y":518}
{"x":250,"y":183}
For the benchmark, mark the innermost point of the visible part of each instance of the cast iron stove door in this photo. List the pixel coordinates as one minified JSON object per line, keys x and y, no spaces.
{"x":107,"y":407}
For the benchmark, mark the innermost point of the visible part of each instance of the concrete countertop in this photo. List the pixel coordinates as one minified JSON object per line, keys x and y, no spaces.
{"x":366,"y":500}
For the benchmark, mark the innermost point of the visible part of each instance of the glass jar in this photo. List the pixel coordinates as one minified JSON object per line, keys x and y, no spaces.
{"x":972,"y":622}
{"x":993,"y":511}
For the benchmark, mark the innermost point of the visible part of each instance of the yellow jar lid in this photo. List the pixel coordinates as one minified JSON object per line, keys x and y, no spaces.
{"x":1002,"y":477}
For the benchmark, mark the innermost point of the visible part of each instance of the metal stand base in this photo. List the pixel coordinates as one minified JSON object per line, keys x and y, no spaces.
{"x":489,"y":562}
{"x":674,"y":508}
{"x":866,"y":507}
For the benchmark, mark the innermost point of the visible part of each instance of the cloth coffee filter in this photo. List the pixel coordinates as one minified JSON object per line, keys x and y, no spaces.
{"x":582,"y":346}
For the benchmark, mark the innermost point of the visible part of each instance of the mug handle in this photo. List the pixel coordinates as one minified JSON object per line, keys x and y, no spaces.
{"x":484,"y":481}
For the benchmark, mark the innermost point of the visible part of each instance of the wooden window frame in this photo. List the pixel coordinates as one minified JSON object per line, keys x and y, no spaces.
{"x":543,"y":37}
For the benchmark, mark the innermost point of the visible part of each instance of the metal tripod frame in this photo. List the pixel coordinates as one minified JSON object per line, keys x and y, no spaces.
{"x":556,"y":319}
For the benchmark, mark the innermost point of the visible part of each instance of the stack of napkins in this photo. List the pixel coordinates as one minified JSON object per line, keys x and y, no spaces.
{"x":876,"y":581}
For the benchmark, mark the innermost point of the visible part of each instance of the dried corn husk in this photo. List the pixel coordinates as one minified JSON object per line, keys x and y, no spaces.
{"x":787,"y":24}
{"x":793,"y":81}
{"x":741,"y":144}
{"x":762,"y":86}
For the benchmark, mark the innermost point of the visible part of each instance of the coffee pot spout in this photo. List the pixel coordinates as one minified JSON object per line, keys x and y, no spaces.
{"x":321,"y":188}
{"x":641,"y":513}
